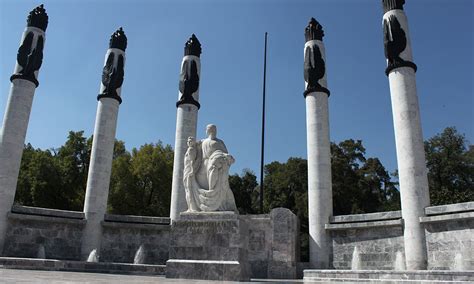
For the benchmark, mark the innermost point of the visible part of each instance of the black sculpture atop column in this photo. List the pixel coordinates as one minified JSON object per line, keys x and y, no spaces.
{"x":112,"y":74}
{"x":189,"y":78}
{"x":30,"y":52}
{"x":394,"y":37}
{"x":314,"y":65}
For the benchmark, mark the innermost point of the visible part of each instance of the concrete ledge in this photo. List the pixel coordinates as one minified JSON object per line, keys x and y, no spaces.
{"x":47,"y":212}
{"x":206,"y":270}
{"x":135,"y":225}
{"x":209,"y":216}
{"x":137,"y":219}
{"x":379,"y":216}
{"x":255,"y":217}
{"x":81,"y":266}
{"x":447,"y":217}
{"x":41,"y":218}
{"x":423,"y":276}
{"x":450,"y":208}
{"x":364,"y":225}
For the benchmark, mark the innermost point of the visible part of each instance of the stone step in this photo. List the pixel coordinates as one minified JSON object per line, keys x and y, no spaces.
{"x":81,"y":266}
{"x":390,"y":276}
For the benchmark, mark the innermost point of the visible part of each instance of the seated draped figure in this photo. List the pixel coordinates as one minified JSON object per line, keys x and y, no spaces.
{"x":206,"y":174}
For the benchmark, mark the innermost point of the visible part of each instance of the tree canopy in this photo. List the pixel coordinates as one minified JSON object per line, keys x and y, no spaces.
{"x":450,"y":162}
{"x":57,"y":178}
{"x":141,"y":178}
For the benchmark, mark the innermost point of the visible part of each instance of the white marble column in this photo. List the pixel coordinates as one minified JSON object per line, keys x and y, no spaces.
{"x":15,"y":121}
{"x":98,"y":179}
{"x":411,"y":161}
{"x":318,"y":146}
{"x":186,"y":120}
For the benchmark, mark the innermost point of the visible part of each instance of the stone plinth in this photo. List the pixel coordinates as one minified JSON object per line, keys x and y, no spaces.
{"x":284,"y":253}
{"x":210,"y":246}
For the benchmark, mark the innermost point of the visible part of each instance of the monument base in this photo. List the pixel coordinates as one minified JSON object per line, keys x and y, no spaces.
{"x":209,"y":246}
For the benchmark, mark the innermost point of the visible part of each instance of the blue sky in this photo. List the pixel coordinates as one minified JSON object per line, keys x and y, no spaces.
{"x":232,"y":37}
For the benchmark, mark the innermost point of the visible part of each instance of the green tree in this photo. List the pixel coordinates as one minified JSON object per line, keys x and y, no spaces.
{"x":286,"y":186}
{"x":23,"y":188}
{"x":39,"y":181}
{"x":46,"y":187}
{"x":346,"y":159}
{"x":377,"y":190}
{"x":244,"y":186}
{"x":450,"y":163}
{"x":74,"y":158}
{"x":54,"y":178}
{"x":141,"y":182}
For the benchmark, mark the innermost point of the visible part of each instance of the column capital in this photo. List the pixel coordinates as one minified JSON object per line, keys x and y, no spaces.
{"x":192,"y":46}
{"x":38,"y":18}
{"x":118,"y":40}
{"x":314,"y":30}
{"x":389,"y":5}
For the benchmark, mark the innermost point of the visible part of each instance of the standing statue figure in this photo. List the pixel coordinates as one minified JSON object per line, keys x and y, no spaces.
{"x":206,"y":174}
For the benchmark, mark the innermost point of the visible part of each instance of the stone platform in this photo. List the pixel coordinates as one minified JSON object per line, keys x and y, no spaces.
{"x":209,"y":246}
{"x":389,"y":276}
{"x":81,"y":266}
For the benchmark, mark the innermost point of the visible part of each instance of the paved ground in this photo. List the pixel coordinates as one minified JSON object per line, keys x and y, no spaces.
{"x":56,"y":277}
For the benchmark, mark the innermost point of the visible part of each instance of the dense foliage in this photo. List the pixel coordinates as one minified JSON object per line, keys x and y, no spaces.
{"x":141,"y":179}
{"x":450,"y":163}
{"x":56,"y":178}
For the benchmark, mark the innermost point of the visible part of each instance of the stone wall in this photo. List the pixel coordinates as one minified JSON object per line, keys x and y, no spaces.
{"x":284,"y":253}
{"x":273,"y":249}
{"x":123,"y":235}
{"x":58,"y":231}
{"x":271,"y":242}
{"x":378,"y":237}
{"x":450,"y":235}
{"x":260,"y":240}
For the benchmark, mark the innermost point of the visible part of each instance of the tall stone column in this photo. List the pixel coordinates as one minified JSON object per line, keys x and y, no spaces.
{"x":98,"y":179}
{"x":186,"y":120}
{"x":318,"y":144}
{"x":17,"y":114}
{"x":408,"y":135}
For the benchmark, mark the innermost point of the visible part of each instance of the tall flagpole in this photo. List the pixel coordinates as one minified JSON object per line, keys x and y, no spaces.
{"x":263,"y":124}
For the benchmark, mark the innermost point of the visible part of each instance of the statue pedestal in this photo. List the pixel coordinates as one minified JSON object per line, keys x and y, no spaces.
{"x":210,"y":246}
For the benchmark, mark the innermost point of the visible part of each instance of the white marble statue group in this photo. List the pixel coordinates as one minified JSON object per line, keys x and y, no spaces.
{"x":206,"y":174}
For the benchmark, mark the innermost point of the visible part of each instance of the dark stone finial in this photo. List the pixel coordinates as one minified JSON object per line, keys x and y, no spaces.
{"x":389,"y":5}
{"x":314,"y":31}
{"x":118,"y":40}
{"x":38,"y":18}
{"x":192,"y":46}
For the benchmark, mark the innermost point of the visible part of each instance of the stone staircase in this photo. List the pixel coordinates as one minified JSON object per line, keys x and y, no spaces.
{"x":389,"y":276}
